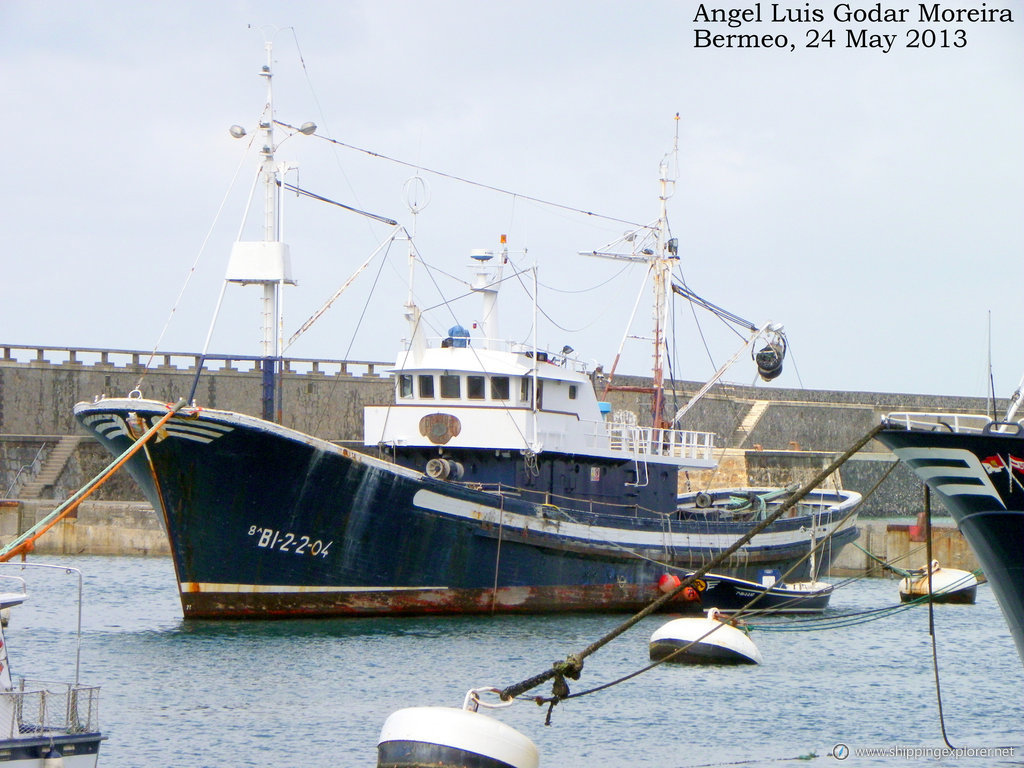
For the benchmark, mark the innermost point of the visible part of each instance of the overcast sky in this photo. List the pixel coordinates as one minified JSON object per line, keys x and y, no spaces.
{"x":871,"y":202}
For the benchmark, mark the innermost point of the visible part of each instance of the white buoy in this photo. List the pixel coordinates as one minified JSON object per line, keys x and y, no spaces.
{"x":709,"y":641}
{"x":948,"y":585}
{"x":446,"y":737}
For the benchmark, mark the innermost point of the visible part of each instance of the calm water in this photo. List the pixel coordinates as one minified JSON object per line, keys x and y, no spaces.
{"x":316,"y":693}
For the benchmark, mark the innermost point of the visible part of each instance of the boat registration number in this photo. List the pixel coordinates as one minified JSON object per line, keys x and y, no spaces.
{"x":285,"y":541}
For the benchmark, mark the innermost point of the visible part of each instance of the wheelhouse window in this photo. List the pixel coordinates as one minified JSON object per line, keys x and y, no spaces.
{"x":526,"y":391}
{"x":450,"y":389}
{"x":476,"y":387}
{"x":499,"y":388}
{"x":405,"y":385}
{"x":426,"y":385}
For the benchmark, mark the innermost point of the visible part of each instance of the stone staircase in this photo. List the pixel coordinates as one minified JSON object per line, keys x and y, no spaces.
{"x":757,"y":410}
{"x":52,"y":467}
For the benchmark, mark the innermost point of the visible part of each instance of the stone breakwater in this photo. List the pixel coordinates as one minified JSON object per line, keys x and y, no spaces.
{"x":764,"y":436}
{"x":134,"y":529}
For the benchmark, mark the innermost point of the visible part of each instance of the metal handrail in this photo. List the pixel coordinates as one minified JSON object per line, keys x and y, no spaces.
{"x":637,"y":441}
{"x":24,"y":468}
{"x":953,"y":422}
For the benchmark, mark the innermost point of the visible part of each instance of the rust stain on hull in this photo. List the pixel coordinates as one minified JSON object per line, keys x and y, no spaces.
{"x":606,"y":598}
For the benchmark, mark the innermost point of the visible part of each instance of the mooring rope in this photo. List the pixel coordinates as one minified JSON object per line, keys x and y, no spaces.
{"x":889,"y":566}
{"x":931,"y":611}
{"x":572,"y":666}
{"x":25,"y":543}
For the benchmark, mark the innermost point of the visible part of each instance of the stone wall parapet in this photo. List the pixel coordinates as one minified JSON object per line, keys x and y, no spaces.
{"x":77,"y":357}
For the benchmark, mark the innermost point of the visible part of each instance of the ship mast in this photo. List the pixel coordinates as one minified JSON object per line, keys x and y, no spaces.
{"x":660,"y":260}
{"x":272,"y":310}
{"x":267,"y":262}
{"x":665,"y":255}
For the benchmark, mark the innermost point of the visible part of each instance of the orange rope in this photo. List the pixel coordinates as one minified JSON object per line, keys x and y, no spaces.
{"x":29,"y":544}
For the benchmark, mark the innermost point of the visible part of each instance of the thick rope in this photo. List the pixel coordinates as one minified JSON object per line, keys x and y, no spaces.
{"x":26,"y":542}
{"x":573,"y":664}
{"x":888,"y":566}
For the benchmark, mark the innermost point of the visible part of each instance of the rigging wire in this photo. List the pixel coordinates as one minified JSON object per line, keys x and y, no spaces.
{"x":465,"y":180}
{"x":195,"y":264}
{"x":324,"y":122}
{"x":602,"y":284}
{"x":796,"y":369}
{"x":518,"y":275}
{"x":355,"y":331}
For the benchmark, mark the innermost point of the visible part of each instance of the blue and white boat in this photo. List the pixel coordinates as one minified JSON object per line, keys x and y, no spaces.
{"x":497,"y":481}
{"x":975,"y":465}
{"x":44,"y":724}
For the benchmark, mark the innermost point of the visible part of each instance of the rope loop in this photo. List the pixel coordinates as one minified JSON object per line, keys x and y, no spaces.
{"x":473,"y":701}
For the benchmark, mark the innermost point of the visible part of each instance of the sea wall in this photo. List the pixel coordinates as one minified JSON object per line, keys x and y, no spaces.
{"x":132,"y":528}
{"x":39,"y":387}
{"x":763,"y":435}
{"x":94,"y":528}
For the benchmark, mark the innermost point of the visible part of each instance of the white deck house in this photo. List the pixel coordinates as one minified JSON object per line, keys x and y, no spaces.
{"x":461,"y":396}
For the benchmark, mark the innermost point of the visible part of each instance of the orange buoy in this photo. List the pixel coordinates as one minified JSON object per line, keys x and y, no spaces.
{"x":668,"y":582}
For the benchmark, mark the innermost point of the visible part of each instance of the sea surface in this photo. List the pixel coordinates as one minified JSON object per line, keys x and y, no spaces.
{"x":316,"y":693}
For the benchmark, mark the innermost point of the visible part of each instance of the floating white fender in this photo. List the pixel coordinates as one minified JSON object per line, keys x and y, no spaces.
{"x":949,"y":585}
{"x":453,"y":738}
{"x":713,"y":642}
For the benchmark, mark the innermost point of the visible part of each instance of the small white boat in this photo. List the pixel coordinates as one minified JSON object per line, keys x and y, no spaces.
{"x":44,"y":724}
{"x":706,"y":640}
{"x":948,"y":585}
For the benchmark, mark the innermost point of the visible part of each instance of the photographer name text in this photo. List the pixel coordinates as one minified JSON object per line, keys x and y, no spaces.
{"x":871,"y":27}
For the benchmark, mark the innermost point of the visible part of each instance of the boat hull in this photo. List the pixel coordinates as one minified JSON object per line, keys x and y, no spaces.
{"x":730,"y":595}
{"x":77,"y":751}
{"x":267,"y":522}
{"x":966,"y":596}
{"x":944,"y":585}
{"x":978,"y":476}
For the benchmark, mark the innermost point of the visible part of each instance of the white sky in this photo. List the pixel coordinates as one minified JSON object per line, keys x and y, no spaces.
{"x":872,"y":203}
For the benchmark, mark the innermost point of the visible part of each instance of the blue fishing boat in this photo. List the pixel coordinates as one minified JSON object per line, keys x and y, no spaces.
{"x":498,"y":480}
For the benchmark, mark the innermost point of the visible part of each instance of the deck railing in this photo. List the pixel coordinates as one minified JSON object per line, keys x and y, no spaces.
{"x":646,"y":442}
{"x":949,"y":422}
{"x":43,"y":708}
